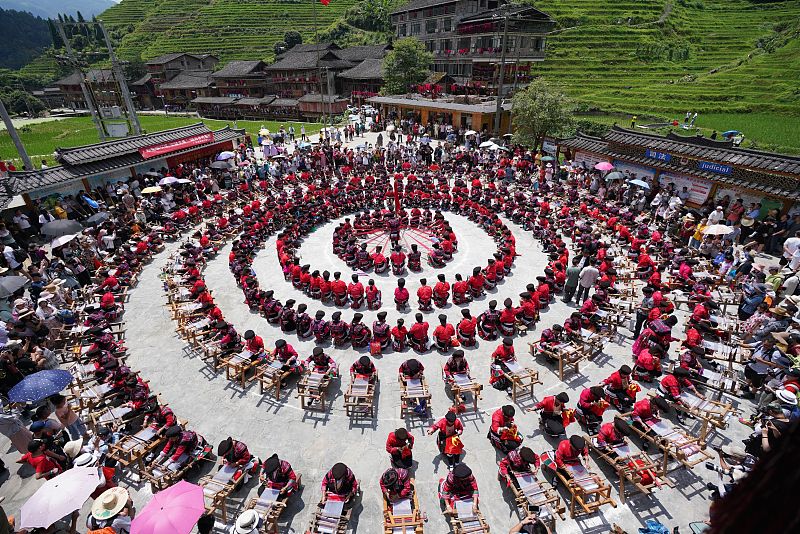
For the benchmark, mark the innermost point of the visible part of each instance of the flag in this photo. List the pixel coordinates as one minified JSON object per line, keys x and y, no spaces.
{"x":324,"y":2}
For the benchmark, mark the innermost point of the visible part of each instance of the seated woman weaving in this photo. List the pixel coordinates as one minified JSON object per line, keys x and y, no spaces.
{"x":340,"y":484}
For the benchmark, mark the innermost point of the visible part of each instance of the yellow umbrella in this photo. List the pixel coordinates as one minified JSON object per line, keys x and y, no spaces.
{"x":154,"y":189}
{"x":263,"y":132}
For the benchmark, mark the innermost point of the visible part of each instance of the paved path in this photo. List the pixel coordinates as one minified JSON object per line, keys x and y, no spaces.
{"x":313,"y":442}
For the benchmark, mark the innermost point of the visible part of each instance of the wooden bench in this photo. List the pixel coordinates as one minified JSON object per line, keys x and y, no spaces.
{"x":269,"y":508}
{"x":465,"y":520}
{"x":532,"y":495}
{"x":674,"y":442}
{"x":588,"y":492}
{"x":331,"y":517}
{"x":522,"y":379}
{"x":271,"y":376}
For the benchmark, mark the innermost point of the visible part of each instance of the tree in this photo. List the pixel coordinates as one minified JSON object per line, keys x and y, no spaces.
{"x":292,"y":38}
{"x":406,"y":65}
{"x":539,"y":110}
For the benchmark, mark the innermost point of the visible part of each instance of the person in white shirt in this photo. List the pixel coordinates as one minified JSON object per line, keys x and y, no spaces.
{"x":791,"y":245}
{"x":8,"y":254}
{"x":23,"y":223}
{"x":716,"y":216}
{"x":586,"y":281}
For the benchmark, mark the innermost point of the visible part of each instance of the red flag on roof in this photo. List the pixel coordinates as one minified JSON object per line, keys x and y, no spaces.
{"x":324,"y":2}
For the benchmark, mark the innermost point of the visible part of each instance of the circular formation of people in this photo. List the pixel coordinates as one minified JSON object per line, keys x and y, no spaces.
{"x":405,"y":337}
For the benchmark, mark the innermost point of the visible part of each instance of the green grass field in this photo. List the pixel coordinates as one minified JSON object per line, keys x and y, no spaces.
{"x":773,"y":132}
{"x":42,"y":139}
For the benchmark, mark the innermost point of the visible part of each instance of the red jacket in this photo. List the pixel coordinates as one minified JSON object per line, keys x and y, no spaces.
{"x":442,"y":289}
{"x":395,"y":446}
{"x":444,"y":332}
{"x":500,"y":420}
{"x":419,"y":331}
{"x":356,"y":290}
{"x":567,"y":454}
{"x":503,"y":353}
{"x":425,"y":293}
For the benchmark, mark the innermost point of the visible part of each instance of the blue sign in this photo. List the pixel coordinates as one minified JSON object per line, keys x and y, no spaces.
{"x":661,"y":156}
{"x":714,"y":167}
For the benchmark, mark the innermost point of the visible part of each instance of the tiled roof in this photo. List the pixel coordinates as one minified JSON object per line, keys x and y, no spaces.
{"x":221,"y":100}
{"x":316,"y":97}
{"x":99,"y":158}
{"x":360,"y":53}
{"x":526,"y":13}
{"x":93,"y":75}
{"x":130,"y":145}
{"x":309,"y":60}
{"x":240,"y":69}
{"x":249,"y":102}
{"x":283,"y":103}
{"x":701,"y":149}
{"x":419,"y":4}
{"x":756,"y":180}
{"x":482,"y":107}
{"x":369,"y":69}
{"x":166,"y":58}
{"x":311,"y":47}
{"x":188,"y":80}
{"x":142,"y":81}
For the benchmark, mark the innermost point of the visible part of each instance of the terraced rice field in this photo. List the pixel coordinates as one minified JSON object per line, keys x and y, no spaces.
{"x":602,"y":53}
{"x":232,"y":29}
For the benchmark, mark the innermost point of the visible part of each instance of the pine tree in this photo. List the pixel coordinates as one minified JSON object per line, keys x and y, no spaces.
{"x":57,"y":42}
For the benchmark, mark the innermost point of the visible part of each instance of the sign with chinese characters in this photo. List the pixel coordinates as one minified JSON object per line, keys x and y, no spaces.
{"x":714,"y":167}
{"x":661,"y":156}
{"x":698,"y":189}
{"x":179,"y":144}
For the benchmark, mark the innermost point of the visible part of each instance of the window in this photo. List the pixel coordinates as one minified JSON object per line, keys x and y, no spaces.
{"x":415,"y":26}
{"x":482,"y":3}
{"x":444,"y":44}
{"x":524,"y":43}
{"x":447,"y":24}
{"x":464,"y":43}
{"x":430,"y":26}
{"x":401,"y":30}
{"x":430,"y":46}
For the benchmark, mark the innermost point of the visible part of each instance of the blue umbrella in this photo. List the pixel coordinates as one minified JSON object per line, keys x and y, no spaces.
{"x":640,"y":183}
{"x":730,"y":133}
{"x":41,"y":385}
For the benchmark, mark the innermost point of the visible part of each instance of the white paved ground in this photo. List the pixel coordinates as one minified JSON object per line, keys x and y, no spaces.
{"x":313,"y":442}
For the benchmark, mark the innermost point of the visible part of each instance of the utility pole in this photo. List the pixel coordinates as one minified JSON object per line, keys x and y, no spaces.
{"x":503,"y":45}
{"x":319,"y":68}
{"x":123,"y":86}
{"x":331,"y":90}
{"x":101,"y":131}
{"x":23,"y":154}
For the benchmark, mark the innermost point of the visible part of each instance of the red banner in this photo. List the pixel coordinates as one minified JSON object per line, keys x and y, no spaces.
{"x":173,"y":146}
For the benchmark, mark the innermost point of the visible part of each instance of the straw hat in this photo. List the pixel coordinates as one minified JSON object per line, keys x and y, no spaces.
{"x":247,"y":522}
{"x":83,"y":460}
{"x":73,"y":448}
{"x":109,"y":503}
{"x":748,"y":221}
{"x":779,"y":311}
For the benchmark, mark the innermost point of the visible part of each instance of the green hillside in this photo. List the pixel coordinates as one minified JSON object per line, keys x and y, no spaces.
{"x":666,"y":57}
{"x":233,"y":29}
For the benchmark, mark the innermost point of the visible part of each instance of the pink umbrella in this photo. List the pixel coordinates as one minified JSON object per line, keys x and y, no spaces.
{"x":604,"y":166}
{"x":58,"y":497}
{"x":172,"y":511}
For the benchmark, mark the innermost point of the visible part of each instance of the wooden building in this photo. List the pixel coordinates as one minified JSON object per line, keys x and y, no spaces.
{"x":465,"y":37}
{"x":241,"y":79}
{"x":709,"y":169}
{"x":166,"y":67}
{"x":101,"y":82}
{"x":470,"y":113}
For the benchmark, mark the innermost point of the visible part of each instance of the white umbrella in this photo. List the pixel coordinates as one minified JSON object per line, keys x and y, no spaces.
{"x":265,"y":142}
{"x":717,"y":229}
{"x":168,"y":180}
{"x":183,"y":181}
{"x":58,"y":497}
{"x":390,"y":128}
{"x":469,"y":132}
{"x":487,"y":144}
{"x":62,"y":240}
{"x":225,"y":155}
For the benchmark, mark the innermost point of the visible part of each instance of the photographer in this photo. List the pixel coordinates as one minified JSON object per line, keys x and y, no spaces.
{"x":772,"y":425}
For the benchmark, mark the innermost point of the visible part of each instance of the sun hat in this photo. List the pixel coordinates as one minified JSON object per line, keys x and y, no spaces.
{"x":83,"y":460}
{"x":247,"y":522}
{"x":73,"y":448}
{"x":109,"y":503}
{"x":786,"y":397}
